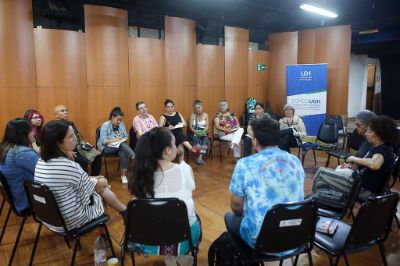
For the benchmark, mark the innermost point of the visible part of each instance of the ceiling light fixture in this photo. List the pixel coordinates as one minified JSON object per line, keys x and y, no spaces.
{"x":318,"y":10}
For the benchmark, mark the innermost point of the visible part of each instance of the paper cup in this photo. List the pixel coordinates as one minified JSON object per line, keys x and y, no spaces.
{"x":112,"y":262}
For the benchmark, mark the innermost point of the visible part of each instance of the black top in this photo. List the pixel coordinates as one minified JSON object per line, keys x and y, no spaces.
{"x":364,"y":148}
{"x":177,"y":132}
{"x":375,"y":180}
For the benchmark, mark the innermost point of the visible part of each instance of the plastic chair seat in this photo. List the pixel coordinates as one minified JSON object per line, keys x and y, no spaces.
{"x":89,"y":226}
{"x":340,"y":154}
{"x":334,"y":243}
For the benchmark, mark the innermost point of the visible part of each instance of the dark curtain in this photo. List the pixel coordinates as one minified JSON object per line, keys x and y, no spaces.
{"x":390,"y":74}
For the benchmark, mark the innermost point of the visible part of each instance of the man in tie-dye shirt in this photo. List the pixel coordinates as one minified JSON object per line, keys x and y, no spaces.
{"x":260,"y":181}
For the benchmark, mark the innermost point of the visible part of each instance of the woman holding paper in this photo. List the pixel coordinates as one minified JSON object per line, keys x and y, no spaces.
{"x":112,"y":140}
{"x":175,"y":122}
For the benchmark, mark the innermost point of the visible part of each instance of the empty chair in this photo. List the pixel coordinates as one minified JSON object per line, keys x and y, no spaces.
{"x":327,"y":134}
{"x":46,"y":211}
{"x":366,"y":231}
{"x":354,"y":141}
{"x":338,"y":120}
{"x":157,"y":222}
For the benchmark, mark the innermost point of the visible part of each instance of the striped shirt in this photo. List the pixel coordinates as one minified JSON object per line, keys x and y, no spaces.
{"x":73,"y":190}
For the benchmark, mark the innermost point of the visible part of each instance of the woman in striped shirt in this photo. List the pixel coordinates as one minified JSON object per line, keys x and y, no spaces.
{"x":78,"y":195}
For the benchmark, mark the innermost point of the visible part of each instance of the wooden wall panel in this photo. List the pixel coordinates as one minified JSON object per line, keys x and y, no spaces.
{"x":210,"y":76}
{"x":180,"y":54}
{"x":61,"y":74}
{"x":107,"y":56}
{"x":282,"y":52}
{"x":106,"y":46}
{"x":306,"y":53}
{"x":333,"y":46}
{"x":257,"y":84}
{"x":147,"y":75}
{"x":17,"y":69}
{"x":236,"y":67}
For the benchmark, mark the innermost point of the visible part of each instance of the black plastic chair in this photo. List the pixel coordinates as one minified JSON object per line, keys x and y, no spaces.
{"x":45,"y":210}
{"x":286,"y":227}
{"x":338,"y":120}
{"x":219,"y":142}
{"x":354,"y":141}
{"x":156,"y":222}
{"x":328,"y":134}
{"x":132,"y":138}
{"x":24,"y":214}
{"x":106,"y":155}
{"x":366,"y":231}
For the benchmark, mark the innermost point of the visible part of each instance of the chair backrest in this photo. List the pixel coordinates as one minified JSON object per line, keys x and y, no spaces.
{"x":161,"y":221}
{"x":374,"y":219}
{"x":97,"y":134}
{"x":287,"y":226}
{"x":132,"y":138}
{"x":6,"y":192}
{"x":328,"y":133}
{"x":354,"y":140}
{"x":335,"y":119}
{"x":44,"y":205}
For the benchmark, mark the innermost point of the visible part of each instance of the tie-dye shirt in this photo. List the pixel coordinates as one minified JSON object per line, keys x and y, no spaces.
{"x":264,"y":179}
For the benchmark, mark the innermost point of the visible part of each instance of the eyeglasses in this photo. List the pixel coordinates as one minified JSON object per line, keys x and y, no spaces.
{"x":36,"y":117}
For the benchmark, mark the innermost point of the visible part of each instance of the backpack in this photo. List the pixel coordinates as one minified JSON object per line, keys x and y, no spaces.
{"x":228,"y":250}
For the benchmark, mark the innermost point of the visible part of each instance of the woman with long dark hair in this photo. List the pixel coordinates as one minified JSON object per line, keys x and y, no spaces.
{"x":18,"y":159}
{"x":112,"y":139}
{"x":78,"y":195}
{"x":156,"y":176}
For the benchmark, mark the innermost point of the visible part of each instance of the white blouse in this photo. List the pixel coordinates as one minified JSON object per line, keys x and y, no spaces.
{"x":177,"y":182}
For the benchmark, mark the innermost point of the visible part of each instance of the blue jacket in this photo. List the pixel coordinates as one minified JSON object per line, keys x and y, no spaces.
{"x":107,"y":132}
{"x":19,"y":166}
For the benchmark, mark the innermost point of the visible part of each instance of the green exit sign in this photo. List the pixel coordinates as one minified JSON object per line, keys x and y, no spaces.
{"x":261,"y":67}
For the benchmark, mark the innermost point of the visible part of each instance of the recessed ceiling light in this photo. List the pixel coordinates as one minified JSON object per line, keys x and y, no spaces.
{"x":318,"y":10}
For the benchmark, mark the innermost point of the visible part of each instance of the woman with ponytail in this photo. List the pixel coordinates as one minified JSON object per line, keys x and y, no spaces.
{"x":156,"y":176}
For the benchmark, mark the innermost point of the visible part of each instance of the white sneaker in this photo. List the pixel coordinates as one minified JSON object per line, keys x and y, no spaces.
{"x":124,"y":179}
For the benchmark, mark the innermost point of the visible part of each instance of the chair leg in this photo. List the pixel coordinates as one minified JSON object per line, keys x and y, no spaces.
{"x":122,"y":255}
{"x":2,"y":205}
{"x":337,"y":260}
{"x":74,"y":253}
{"x":220,"y":152}
{"x":5,"y":225}
{"x":280,"y":262}
{"x":315,"y":159}
{"x":109,"y":239}
{"x":345,"y":259}
{"x":382,"y":251}
{"x":67,"y":241}
{"x":21,"y":227}
{"x":35,"y":244}
{"x":327,"y":160}
{"x":194,"y":259}
{"x":310,"y":261}
{"x":105,"y":166}
{"x":296,"y":259}
{"x":133,"y":258}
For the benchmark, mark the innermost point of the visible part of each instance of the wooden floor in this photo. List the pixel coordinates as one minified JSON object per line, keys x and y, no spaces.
{"x":212,"y":202}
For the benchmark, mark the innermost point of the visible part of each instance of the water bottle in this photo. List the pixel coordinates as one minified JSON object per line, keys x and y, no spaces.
{"x":100,"y":258}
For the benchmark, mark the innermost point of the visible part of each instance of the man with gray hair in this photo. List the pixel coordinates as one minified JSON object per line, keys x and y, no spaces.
{"x":362,"y":120}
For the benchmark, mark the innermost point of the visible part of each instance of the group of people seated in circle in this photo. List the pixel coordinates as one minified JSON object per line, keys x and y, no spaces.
{"x":50,"y":154}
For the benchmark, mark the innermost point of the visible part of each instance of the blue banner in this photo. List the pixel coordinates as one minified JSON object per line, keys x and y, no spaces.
{"x":306,"y":92}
